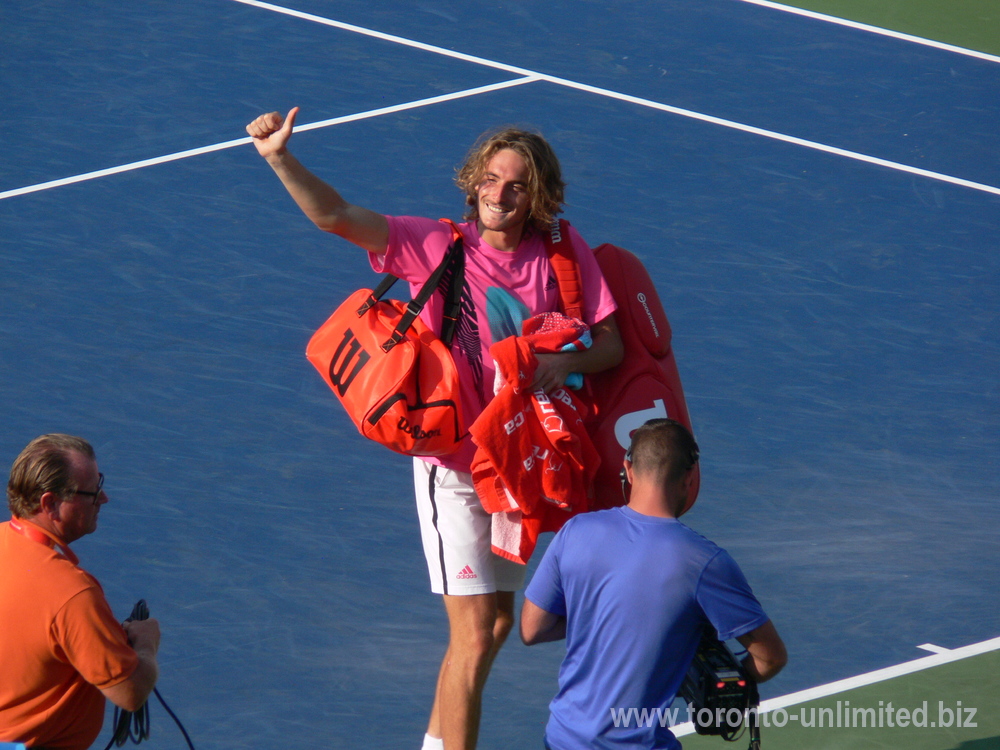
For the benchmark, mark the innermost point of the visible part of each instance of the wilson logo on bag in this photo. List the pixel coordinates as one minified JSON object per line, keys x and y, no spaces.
{"x":395,"y":378}
{"x":342,"y":358}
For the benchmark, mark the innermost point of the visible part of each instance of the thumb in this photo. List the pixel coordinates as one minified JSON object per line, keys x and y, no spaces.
{"x":290,"y":120}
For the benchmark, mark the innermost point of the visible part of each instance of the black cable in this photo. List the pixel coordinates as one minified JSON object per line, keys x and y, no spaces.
{"x":174,"y":717}
{"x":134,"y":725}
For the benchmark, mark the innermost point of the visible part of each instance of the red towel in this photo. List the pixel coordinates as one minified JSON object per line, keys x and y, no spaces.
{"x":534,"y":462}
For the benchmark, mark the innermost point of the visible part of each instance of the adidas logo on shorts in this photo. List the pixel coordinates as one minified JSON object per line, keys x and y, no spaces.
{"x":466,"y":572}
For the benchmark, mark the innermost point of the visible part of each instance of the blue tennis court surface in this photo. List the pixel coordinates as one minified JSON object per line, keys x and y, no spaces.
{"x":818,"y":205}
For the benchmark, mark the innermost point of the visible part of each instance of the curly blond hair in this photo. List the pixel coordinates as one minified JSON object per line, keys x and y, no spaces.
{"x":545,"y":185}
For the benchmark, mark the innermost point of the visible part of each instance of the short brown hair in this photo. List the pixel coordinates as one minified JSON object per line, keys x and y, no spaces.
{"x":545,"y":185}
{"x":45,"y":465}
{"x":663,"y":448}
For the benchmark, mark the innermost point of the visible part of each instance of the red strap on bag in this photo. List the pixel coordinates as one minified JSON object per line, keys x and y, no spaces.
{"x":564,"y":266}
{"x":394,"y":377}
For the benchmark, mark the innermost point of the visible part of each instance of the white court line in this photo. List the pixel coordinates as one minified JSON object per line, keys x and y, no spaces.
{"x":933,"y":649}
{"x":631,"y":99}
{"x":513,"y":69}
{"x":875,"y":30}
{"x":773,"y":135}
{"x":387,"y":37}
{"x":870,"y":678}
{"x":529,"y":76}
{"x":247,"y":140}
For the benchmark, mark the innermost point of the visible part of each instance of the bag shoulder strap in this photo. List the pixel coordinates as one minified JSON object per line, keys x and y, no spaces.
{"x":454,"y":259}
{"x":562,"y":258}
{"x":453,"y":294}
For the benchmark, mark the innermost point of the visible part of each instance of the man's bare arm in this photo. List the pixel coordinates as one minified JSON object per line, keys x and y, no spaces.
{"x":766,"y":653}
{"x":132,"y":692}
{"x":323,"y":205}
{"x":605,"y":352}
{"x":540,"y":626}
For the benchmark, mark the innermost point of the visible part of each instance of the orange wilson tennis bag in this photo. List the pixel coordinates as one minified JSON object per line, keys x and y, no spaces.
{"x":395,"y":377}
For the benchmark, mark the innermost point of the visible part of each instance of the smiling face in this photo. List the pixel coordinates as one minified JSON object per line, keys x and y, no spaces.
{"x":503,"y":200}
{"x":527,"y":163}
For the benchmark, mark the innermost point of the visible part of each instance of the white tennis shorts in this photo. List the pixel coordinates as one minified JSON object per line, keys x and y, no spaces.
{"x":455,"y":531}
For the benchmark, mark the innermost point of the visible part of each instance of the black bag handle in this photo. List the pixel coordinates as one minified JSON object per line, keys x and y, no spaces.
{"x":454,"y":258}
{"x":453,"y":296}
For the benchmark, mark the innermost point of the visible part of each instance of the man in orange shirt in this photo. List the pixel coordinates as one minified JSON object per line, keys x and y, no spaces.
{"x":62,"y":650}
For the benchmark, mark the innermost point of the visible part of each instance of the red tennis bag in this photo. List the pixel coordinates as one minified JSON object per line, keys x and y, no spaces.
{"x":646,"y":385}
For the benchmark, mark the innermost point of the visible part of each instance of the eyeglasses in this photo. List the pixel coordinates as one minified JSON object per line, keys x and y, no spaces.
{"x":97,"y":493}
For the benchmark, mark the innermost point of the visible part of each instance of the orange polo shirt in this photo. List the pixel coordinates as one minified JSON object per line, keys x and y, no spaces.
{"x":59,"y":644}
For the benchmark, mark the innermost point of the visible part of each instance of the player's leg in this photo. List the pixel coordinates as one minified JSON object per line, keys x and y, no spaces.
{"x":471,"y":648}
{"x":456,"y":536}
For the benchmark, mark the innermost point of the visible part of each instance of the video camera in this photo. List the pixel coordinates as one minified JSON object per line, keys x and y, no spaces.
{"x":717,"y":689}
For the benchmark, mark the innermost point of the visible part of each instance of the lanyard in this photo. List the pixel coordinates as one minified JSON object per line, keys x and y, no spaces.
{"x":35,"y":534}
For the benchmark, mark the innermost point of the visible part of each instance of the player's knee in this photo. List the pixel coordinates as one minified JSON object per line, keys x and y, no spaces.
{"x":501,"y":629}
{"x":475,"y":644}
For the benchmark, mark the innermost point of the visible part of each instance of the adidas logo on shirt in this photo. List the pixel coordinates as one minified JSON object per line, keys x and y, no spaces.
{"x":466,"y":572}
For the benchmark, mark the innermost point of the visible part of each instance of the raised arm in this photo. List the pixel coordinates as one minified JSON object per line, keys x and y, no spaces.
{"x":319,"y":201}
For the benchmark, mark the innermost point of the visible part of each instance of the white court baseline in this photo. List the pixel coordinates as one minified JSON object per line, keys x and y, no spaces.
{"x":874,"y":30}
{"x":526,"y":77}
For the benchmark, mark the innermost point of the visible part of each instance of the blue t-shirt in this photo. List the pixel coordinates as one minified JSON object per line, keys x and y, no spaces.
{"x":636,"y":591}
